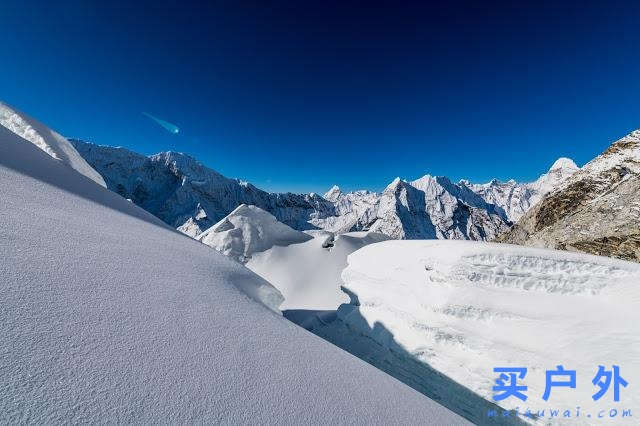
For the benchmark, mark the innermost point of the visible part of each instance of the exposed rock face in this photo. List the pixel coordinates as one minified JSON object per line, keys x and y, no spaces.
{"x":597,"y":210}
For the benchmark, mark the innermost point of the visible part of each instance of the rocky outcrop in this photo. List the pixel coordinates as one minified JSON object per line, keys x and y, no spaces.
{"x":596,"y":211}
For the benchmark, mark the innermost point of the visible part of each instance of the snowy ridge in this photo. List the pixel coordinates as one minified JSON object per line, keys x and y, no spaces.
{"x":115,"y":317}
{"x":47,"y":140}
{"x":353,"y":211}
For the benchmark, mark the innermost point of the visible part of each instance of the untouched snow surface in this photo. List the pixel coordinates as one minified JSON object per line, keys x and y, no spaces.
{"x":308,"y":274}
{"x":109,"y":316}
{"x":248,"y":230}
{"x":463,"y":308}
{"x":49,"y":141}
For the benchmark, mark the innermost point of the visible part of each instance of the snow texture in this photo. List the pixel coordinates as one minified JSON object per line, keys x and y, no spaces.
{"x":110,"y":316}
{"x":248,"y":230}
{"x":49,"y":141}
{"x":463,"y":308}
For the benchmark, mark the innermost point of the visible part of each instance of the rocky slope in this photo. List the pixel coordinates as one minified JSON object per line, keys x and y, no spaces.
{"x":597,"y":210}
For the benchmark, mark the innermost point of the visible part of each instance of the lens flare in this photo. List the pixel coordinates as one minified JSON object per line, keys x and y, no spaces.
{"x":171,"y":128}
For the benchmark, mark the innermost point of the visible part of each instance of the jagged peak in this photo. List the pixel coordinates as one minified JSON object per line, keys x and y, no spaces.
{"x":394,"y":184}
{"x":333,"y":193}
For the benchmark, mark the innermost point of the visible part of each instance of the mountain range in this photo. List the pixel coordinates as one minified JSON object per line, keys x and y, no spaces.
{"x":191,"y":197}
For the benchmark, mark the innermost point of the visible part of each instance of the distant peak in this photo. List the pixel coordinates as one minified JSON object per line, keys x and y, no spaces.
{"x":333,"y":193}
{"x":564,"y":163}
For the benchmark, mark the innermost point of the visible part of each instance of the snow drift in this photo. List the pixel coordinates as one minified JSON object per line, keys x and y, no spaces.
{"x":463,"y":308}
{"x":107,"y":315}
{"x":248,"y":230}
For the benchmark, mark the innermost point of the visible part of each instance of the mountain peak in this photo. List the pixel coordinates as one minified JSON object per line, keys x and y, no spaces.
{"x":394,"y":184}
{"x":564,"y":163}
{"x":333,"y":193}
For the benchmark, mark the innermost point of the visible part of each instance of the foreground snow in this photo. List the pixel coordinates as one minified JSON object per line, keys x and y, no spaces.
{"x":110,"y":316}
{"x":463,"y":308}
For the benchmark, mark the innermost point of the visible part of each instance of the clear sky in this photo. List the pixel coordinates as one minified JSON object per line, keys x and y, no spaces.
{"x":300,"y":95}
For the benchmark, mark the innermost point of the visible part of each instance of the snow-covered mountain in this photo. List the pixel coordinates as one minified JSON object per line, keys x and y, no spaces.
{"x":516,"y":198}
{"x":596,"y":210}
{"x":191,"y":197}
{"x":353,"y":211}
{"x":187,"y":195}
{"x":434,"y":207}
{"x":108,"y":315}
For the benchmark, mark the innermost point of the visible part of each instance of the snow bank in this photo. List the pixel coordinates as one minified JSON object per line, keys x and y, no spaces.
{"x":109,"y":316}
{"x":49,"y":141}
{"x":248,"y":230}
{"x":464,"y":308}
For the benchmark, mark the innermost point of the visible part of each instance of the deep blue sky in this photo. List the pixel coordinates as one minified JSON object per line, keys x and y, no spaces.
{"x":300,"y":95}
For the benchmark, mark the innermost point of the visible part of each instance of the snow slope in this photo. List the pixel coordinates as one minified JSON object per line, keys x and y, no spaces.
{"x":110,"y":316}
{"x":308,"y":274}
{"x":248,"y":230}
{"x":463,"y":308}
{"x":49,"y":141}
